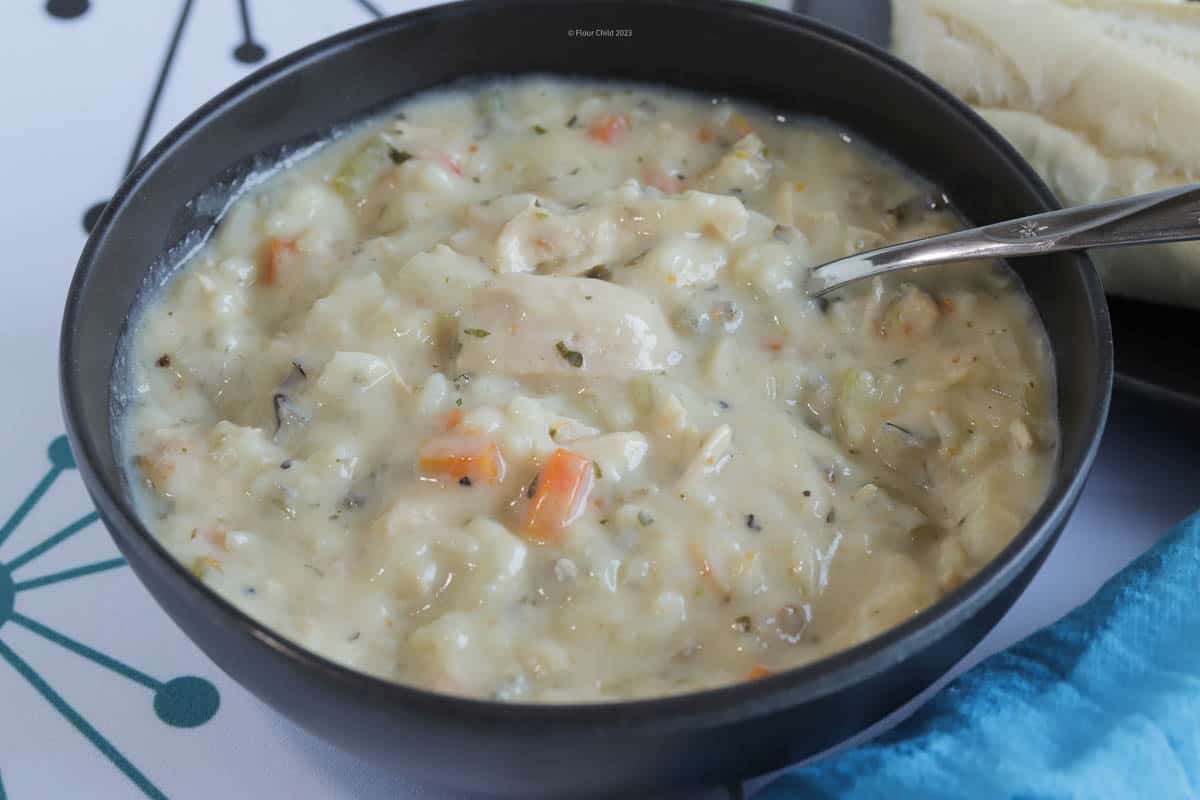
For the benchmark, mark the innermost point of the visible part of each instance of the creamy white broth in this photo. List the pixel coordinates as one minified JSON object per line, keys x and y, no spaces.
{"x":517,"y":394}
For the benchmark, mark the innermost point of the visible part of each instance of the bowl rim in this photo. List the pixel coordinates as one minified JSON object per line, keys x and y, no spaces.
{"x":704,"y":708}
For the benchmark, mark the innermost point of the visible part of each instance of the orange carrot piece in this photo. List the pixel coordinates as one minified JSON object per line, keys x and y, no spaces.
{"x":562,"y":489}
{"x":759,"y":672}
{"x":608,"y":128}
{"x":461,"y":455}
{"x":216,"y":537}
{"x":270,"y":267}
{"x":442,"y":159}
{"x":454,"y":419}
{"x":449,"y":162}
{"x":662,"y":180}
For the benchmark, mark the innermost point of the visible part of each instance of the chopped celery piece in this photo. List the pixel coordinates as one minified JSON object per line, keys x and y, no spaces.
{"x":360,"y":170}
{"x":857,"y":397}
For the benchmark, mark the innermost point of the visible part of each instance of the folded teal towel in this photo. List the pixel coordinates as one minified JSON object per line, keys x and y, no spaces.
{"x":1104,"y":703}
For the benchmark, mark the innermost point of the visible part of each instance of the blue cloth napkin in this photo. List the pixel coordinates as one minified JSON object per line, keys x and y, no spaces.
{"x":1104,"y":703}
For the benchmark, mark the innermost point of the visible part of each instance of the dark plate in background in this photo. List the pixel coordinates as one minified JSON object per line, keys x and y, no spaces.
{"x":1156,"y":350}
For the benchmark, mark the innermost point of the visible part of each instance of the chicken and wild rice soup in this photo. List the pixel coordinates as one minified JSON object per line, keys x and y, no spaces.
{"x":518,"y":394}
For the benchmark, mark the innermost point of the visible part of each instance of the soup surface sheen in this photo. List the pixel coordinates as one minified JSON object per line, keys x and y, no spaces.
{"x":518,"y":394}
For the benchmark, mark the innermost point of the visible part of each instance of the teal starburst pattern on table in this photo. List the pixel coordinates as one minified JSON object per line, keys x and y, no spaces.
{"x":183,"y":702}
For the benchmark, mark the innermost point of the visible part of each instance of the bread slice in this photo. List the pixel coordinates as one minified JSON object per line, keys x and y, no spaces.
{"x":1101,"y":96}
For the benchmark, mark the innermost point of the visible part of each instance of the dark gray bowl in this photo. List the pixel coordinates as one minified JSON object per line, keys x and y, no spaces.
{"x":727,"y":48}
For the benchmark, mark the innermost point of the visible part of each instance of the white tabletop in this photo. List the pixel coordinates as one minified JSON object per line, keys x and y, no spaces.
{"x":83,"y":665}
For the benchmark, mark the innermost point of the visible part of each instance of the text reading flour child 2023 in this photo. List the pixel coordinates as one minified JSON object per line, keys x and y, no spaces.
{"x":600,"y":33}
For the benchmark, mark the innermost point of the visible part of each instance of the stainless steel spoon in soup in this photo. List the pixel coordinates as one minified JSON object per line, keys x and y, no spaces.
{"x":1172,"y":215}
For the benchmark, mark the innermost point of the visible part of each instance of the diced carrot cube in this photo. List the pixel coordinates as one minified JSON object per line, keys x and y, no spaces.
{"x":445,"y":160}
{"x":217,"y":537}
{"x":454,"y":419}
{"x":451,"y":164}
{"x":563,"y":485}
{"x":759,"y":672}
{"x":456,"y":455}
{"x":608,"y":128}
{"x":662,"y":180}
{"x":773,"y":344}
{"x":270,"y":267}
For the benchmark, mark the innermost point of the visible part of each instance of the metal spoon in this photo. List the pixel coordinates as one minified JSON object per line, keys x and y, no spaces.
{"x":1172,"y":215}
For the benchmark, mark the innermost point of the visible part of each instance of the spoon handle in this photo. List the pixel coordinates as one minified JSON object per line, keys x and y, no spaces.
{"x":1172,"y":215}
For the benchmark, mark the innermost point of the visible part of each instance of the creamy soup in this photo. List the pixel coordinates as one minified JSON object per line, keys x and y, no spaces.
{"x":518,"y":394}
